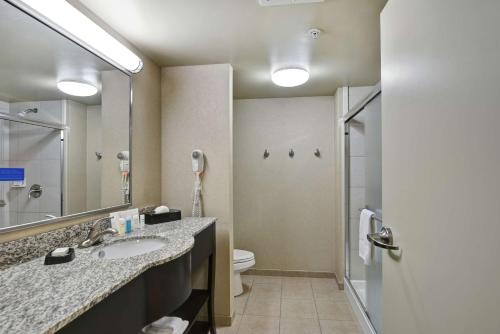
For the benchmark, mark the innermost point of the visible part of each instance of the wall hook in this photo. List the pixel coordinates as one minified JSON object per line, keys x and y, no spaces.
{"x":98,"y":155}
{"x":317,"y":153}
{"x":291,"y":153}
{"x":266,"y":154}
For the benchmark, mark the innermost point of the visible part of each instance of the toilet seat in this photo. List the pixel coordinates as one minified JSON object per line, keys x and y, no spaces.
{"x":242,"y":256}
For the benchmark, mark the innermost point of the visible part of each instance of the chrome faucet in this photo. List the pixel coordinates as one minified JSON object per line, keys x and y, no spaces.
{"x":96,"y":237}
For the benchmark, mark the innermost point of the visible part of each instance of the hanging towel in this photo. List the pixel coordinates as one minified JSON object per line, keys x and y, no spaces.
{"x":166,"y":325}
{"x":365,"y":248}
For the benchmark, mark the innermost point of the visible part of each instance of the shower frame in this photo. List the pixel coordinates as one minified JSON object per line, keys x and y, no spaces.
{"x":54,"y":126}
{"x":351,"y":114}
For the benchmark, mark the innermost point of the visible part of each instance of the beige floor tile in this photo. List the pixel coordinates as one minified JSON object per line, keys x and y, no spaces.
{"x":296,"y":308}
{"x":263,"y":306}
{"x":324,"y":284}
{"x":297,"y":291}
{"x":247,"y":279}
{"x":246,"y":290}
{"x":240,"y":302}
{"x":267,"y":279}
{"x":233,"y":329}
{"x":333,"y":310}
{"x":299,"y":326}
{"x":339,"y":327}
{"x":266,"y":290}
{"x":335,"y":295}
{"x":257,"y":324}
{"x":296,"y":280}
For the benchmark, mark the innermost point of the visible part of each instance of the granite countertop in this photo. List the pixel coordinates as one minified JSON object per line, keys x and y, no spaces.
{"x":43,"y":299}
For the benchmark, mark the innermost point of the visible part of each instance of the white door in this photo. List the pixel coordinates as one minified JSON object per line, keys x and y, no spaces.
{"x":441,"y":165}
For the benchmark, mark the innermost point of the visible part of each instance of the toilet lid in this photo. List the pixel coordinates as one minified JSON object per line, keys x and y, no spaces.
{"x":242,"y":256}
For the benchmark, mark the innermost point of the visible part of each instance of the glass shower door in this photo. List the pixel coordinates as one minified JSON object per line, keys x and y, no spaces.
{"x":364,"y":189}
{"x":37,"y":150}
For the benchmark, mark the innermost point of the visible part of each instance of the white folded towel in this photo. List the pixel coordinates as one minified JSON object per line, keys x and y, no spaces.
{"x":365,"y":247}
{"x":166,"y":325}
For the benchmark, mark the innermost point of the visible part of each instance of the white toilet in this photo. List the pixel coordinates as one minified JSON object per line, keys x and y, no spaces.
{"x":242,"y":261}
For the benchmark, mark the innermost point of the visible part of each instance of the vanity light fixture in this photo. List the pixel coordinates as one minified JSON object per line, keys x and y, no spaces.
{"x":290,"y":77}
{"x":76,"y":88}
{"x":61,"y":14}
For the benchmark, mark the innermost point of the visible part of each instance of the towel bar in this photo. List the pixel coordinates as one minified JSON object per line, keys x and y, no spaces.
{"x":374,"y":217}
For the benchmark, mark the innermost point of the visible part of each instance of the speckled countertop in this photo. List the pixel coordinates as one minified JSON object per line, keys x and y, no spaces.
{"x":42,"y":299}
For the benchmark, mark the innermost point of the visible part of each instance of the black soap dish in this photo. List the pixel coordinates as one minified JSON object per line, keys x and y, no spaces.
{"x":49,"y":259}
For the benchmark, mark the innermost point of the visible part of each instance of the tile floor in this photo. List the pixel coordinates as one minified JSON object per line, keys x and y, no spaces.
{"x":291,"y":305}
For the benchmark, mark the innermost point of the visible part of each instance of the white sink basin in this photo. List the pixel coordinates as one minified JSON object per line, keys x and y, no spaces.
{"x":128,"y":248}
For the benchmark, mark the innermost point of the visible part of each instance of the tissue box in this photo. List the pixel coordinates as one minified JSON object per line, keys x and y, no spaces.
{"x":158,"y":218}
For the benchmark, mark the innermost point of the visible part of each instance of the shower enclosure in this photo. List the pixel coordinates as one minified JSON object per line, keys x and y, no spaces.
{"x":36,"y":147}
{"x":363,"y":155}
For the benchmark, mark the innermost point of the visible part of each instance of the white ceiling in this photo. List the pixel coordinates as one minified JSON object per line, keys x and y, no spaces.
{"x":256,"y":40}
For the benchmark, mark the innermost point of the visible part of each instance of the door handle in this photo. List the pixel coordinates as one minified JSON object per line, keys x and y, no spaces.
{"x":383,"y":239}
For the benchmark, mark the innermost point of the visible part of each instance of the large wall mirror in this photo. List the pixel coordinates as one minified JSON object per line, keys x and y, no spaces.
{"x":64,"y":147}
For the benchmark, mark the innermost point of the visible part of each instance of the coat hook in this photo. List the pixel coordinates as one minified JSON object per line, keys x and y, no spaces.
{"x":266,"y":153}
{"x":98,"y":155}
{"x":317,"y":153}
{"x":291,"y":153}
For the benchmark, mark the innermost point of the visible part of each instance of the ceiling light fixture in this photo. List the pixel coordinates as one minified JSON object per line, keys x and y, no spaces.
{"x":290,"y":77}
{"x":76,"y":88}
{"x":60,"y":14}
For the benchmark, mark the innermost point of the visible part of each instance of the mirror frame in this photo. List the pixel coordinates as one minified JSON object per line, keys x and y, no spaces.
{"x":27,"y":11}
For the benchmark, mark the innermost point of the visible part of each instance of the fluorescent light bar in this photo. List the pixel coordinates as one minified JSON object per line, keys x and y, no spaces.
{"x":290,"y":77}
{"x":76,"y":88}
{"x":67,"y":17}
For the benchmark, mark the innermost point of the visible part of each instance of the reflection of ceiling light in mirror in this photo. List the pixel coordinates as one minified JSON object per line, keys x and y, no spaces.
{"x":76,"y":88}
{"x":290,"y":77}
{"x":67,"y":17}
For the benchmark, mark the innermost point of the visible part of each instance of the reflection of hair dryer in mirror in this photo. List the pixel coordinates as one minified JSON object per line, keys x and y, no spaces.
{"x":123,"y":157}
{"x":198,"y":165}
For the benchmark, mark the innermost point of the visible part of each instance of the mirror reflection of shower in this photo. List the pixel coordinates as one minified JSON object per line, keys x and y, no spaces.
{"x":27,"y":111}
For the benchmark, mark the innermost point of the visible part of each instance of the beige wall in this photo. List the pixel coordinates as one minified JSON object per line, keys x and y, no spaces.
{"x":341,"y":101}
{"x":115,"y":130}
{"x":197,"y":114}
{"x":75,"y":169}
{"x":284,"y":210}
{"x":146,"y":129}
{"x":94,"y":166}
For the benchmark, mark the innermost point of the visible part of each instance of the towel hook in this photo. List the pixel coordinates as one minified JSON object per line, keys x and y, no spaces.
{"x":317,"y":153}
{"x":266,"y":153}
{"x":291,"y":153}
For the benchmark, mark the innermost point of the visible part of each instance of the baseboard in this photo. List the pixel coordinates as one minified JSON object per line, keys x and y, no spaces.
{"x":223,"y":320}
{"x":340,"y":283}
{"x":289,"y":273}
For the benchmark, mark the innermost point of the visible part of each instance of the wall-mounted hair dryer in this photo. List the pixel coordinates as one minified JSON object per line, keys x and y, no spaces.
{"x":197,"y":161}
{"x":198,"y":165}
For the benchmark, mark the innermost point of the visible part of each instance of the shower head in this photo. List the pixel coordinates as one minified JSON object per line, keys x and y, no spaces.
{"x":27,"y":111}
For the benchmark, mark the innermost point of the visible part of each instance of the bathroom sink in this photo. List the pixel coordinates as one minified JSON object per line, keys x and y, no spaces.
{"x":129,"y":247}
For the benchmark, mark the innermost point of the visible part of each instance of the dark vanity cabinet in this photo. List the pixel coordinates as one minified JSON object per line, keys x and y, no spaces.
{"x":163,"y":290}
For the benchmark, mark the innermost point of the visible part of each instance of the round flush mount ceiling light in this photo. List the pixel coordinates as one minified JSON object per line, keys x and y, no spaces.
{"x":76,"y":88}
{"x":290,"y":77}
